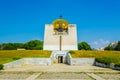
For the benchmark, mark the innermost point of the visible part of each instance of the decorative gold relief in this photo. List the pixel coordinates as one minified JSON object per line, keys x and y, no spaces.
{"x":60,"y":25}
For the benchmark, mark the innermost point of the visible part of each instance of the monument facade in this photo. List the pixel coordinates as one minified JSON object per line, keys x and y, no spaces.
{"x":60,"y":35}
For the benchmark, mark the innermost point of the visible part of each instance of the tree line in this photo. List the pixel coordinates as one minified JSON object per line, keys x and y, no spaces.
{"x":86,"y":46}
{"x":111,"y":47}
{"x":38,"y":45}
{"x":31,"y":45}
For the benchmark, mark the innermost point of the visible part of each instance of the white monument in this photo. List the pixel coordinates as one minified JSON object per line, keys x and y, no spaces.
{"x":60,"y":35}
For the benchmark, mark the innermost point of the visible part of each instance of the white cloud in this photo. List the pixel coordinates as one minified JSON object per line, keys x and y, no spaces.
{"x":101,"y":43}
{"x":95,"y":42}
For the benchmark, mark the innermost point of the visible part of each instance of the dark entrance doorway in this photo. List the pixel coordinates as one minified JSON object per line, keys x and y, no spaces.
{"x":60,"y":59}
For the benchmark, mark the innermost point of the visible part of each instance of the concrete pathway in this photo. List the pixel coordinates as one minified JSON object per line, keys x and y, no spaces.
{"x":32,"y":77}
{"x":61,"y":68}
{"x":95,"y":76}
{"x":59,"y":72}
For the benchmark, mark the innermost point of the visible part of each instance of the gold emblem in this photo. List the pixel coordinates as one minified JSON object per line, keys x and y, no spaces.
{"x":60,"y":25}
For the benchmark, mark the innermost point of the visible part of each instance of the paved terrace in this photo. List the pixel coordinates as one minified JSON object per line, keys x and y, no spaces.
{"x":59,"y":72}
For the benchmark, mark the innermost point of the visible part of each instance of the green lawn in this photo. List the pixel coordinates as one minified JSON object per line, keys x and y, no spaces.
{"x":10,"y":55}
{"x":96,"y":54}
{"x":105,"y":57}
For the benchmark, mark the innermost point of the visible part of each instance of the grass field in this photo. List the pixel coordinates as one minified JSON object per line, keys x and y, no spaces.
{"x":105,"y":57}
{"x":97,"y":54}
{"x":10,"y":55}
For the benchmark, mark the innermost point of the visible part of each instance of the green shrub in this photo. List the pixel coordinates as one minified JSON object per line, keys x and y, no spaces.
{"x":1,"y":66}
{"x":15,"y":58}
{"x":117,"y":64}
{"x":71,"y":52}
{"x":104,"y":60}
{"x":108,"y":60}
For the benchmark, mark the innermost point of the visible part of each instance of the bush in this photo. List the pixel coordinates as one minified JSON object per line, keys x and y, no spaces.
{"x":71,"y":52}
{"x":109,"y":60}
{"x":117,"y":65}
{"x":15,"y":58}
{"x":1,"y":66}
{"x":104,"y":60}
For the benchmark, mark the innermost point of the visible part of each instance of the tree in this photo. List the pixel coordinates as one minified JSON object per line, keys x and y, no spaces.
{"x":19,"y":45}
{"x":12,"y":46}
{"x":84,"y":46}
{"x":8,"y":46}
{"x":0,"y":46}
{"x":31,"y":45}
{"x":34,"y":45}
{"x":109,"y":48}
{"x":118,"y":46}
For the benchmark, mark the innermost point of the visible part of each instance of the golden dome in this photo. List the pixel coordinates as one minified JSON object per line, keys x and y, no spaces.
{"x":60,"y":22}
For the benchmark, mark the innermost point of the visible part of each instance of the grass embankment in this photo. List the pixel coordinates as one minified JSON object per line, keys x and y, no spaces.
{"x":11,"y":55}
{"x":105,"y":57}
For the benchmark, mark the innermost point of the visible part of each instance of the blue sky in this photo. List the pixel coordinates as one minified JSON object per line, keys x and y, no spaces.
{"x":98,"y":21}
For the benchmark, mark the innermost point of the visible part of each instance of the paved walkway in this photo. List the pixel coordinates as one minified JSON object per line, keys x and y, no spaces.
{"x":61,"y":68}
{"x":59,"y":72}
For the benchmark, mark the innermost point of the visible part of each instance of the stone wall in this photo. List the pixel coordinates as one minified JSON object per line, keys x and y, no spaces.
{"x":52,"y":57}
{"x":112,"y":65}
{"x":38,"y":61}
{"x":28,"y":61}
{"x":79,"y":61}
{"x":82,"y":61}
{"x":16,"y":63}
{"x":68,"y":58}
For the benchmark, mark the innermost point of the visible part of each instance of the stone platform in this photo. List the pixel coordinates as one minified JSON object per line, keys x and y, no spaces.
{"x":59,"y":72}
